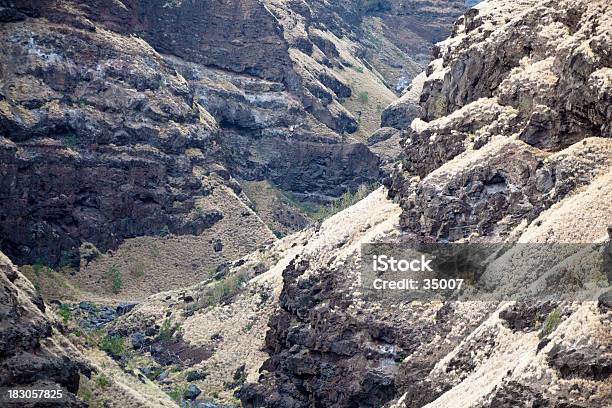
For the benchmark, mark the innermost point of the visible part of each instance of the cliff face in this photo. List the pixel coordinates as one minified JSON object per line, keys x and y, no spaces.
{"x":534,"y":74}
{"x":94,"y":127}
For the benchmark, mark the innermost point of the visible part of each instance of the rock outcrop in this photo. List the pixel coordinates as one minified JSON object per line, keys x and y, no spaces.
{"x":95,"y":127}
{"x":402,"y":112}
{"x":535,"y":73}
{"x":33,"y":353}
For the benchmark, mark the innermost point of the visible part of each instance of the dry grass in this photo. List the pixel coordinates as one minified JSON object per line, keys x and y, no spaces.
{"x":146,"y":265}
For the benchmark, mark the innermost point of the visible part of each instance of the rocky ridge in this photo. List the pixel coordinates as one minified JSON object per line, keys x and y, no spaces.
{"x":542,"y":89}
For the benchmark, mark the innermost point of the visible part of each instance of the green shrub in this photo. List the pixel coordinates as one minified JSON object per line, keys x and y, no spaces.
{"x":86,"y":395}
{"x":200,"y":212}
{"x":364,"y":97}
{"x":249,"y":326}
{"x":113,"y":345}
{"x":116,"y":280}
{"x":551,"y":323}
{"x":221,"y":290}
{"x":102,"y":381}
{"x":168,"y":330}
{"x":156,"y":371}
{"x":320,"y":212}
{"x":176,"y":393}
{"x":64,"y":312}
{"x":40,"y":267}
{"x":346,"y":200}
{"x":279,"y":234}
{"x":70,"y":140}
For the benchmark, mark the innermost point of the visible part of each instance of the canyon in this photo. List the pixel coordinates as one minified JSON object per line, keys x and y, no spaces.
{"x":142,"y":143}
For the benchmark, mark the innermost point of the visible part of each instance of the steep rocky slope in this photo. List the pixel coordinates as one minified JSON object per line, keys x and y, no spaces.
{"x":484,"y":165}
{"x":101,"y":141}
{"x":535,"y":74}
{"x":38,"y":350}
{"x":32,"y":352}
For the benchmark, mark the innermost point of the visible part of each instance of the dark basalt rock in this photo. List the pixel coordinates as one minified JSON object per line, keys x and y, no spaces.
{"x":192,"y":392}
{"x":31,"y":353}
{"x":581,"y":362}
{"x":196,"y":375}
{"x":604,"y":302}
{"x":526,"y":316}
{"x":321,"y":355}
{"x":124,"y":308}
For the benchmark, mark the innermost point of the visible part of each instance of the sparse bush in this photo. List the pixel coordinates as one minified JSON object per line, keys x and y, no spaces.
{"x":346,"y":200}
{"x":155,"y":371}
{"x":199,"y":211}
{"x":70,"y":140}
{"x":168,"y":330}
{"x":137,"y":269}
{"x":265,"y":294}
{"x":321,"y":212}
{"x":116,"y":280}
{"x":364,"y":97}
{"x":249,"y":326}
{"x":176,"y":393}
{"x":221,"y":291}
{"x":86,"y":395}
{"x":89,"y":252}
{"x":359,"y":69}
{"x":551,"y":323}
{"x":64,"y":312}
{"x":154,"y":249}
{"x":113,"y":345}
{"x":40,"y":267}
{"x":102,"y":381}
{"x":69,"y":259}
